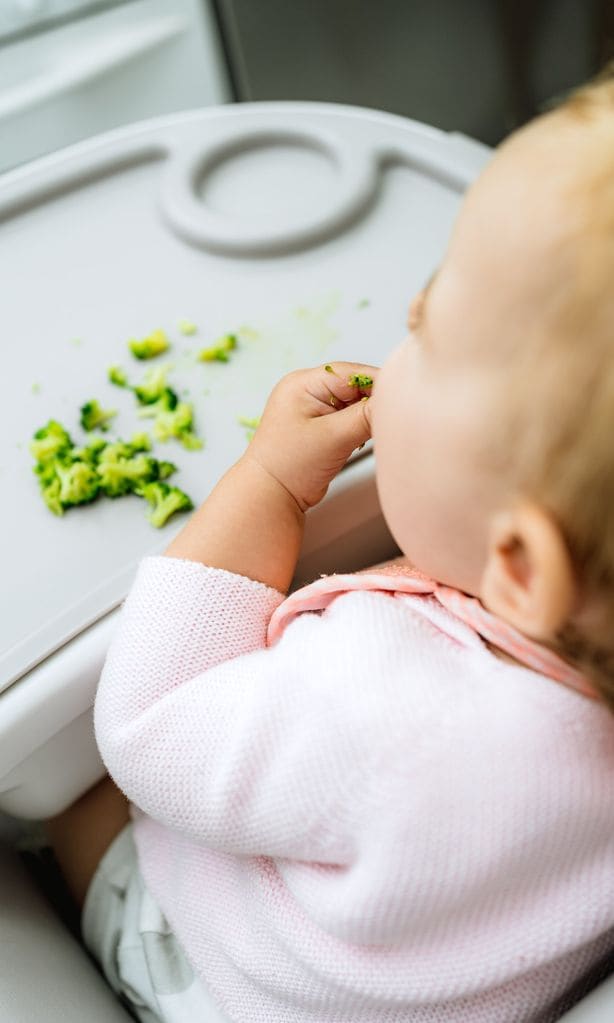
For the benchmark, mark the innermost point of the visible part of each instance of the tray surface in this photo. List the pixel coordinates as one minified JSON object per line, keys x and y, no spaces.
{"x":305,"y":228}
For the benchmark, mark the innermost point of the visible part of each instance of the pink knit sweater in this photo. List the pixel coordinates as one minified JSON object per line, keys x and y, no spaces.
{"x":371,"y":820}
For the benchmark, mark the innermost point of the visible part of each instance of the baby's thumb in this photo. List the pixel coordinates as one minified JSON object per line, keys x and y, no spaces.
{"x":353,"y":424}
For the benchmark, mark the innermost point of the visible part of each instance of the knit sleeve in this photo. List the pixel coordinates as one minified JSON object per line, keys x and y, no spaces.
{"x":249,"y":749}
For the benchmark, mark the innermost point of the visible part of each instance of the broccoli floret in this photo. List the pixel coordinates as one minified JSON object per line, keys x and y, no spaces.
{"x":50,"y":441}
{"x":165,"y":501}
{"x":79,"y":483}
{"x":150,"y":346}
{"x":94,"y":417}
{"x":153,"y":386}
{"x":117,"y":376}
{"x":177,"y":423}
{"x":167,"y":402}
{"x":360,"y":380}
{"x":219,"y":351}
{"x":51,"y":495}
{"x":172,"y":418}
{"x":121,"y":475}
{"x":166,"y":469}
{"x":89,"y":453}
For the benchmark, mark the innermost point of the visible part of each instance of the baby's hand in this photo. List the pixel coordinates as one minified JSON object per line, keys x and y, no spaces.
{"x":312,"y":422}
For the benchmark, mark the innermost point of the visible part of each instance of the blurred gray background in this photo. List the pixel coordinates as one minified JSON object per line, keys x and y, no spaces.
{"x":477,"y":66}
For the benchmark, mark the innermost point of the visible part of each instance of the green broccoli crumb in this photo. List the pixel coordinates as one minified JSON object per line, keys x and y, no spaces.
{"x":36,"y":388}
{"x":364,"y":302}
{"x":140,"y":442}
{"x":94,"y":417}
{"x":153,"y":386}
{"x":172,"y":418}
{"x":187,"y":327}
{"x":360,"y":380}
{"x":149,"y":347}
{"x":50,"y":441}
{"x":117,"y":376}
{"x":219,"y":352}
{"x":164,"y":500}
{"x":251,"y":424}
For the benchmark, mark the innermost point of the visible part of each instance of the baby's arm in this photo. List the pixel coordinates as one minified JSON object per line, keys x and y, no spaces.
{"x":159,"y":700}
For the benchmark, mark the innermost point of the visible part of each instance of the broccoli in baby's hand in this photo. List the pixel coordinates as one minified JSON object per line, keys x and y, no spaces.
{"x":150,"y":346}
{"x":360,"y":380}
{"x":94,"y":417}
{"x":165,"y":501}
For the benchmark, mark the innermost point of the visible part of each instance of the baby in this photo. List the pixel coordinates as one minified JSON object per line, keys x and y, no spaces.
{"x":388,"y":798}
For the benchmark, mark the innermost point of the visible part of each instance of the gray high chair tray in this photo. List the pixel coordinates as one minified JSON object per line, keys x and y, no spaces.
{"x":304,"y":228}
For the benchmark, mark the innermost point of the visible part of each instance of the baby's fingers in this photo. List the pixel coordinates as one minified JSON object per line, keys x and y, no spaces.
{"x":347,"y":382}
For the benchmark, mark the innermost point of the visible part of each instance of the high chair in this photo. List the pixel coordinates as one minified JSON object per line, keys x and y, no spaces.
{"x":303,"y":227}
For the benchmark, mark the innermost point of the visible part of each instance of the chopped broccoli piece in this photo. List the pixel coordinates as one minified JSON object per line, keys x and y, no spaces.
{"x":166,"y":469}
{"x":172,"y":418}
{"x":94,"y":417}
{"x":70,"y":476}
{"x":90,"y":452}
{"x":79,"y":483}
{"x":150,"y":346}
{"x":117,"y":376}
{"x":219,"y":351}
{"x":120,"y":475}
{"x":190,"y":441}
{"x":153,"y":386}
{"x":51,"y":495}
{"x":251,"y":424}
{"x":187,"y":327}
{"x":140,"y":442}
{"x":360,"y":380}
{"x":36,"y":388}
{"x":364,"y":302}
{"x":50,"y":441}
{"x":164,"y":500}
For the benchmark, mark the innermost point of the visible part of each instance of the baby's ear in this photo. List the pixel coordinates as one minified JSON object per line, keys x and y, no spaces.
{"x":529,"y":579}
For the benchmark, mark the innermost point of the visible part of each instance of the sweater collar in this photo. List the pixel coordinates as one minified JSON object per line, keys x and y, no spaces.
{"x":398,"y":577}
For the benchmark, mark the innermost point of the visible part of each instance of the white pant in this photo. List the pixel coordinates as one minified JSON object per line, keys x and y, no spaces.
{"x":129,"y":936}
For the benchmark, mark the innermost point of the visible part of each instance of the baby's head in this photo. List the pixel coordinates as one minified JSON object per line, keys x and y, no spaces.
{"x":494,"y":421}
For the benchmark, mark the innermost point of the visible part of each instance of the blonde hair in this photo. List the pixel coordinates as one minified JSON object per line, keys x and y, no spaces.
{"x":567,"y":463}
